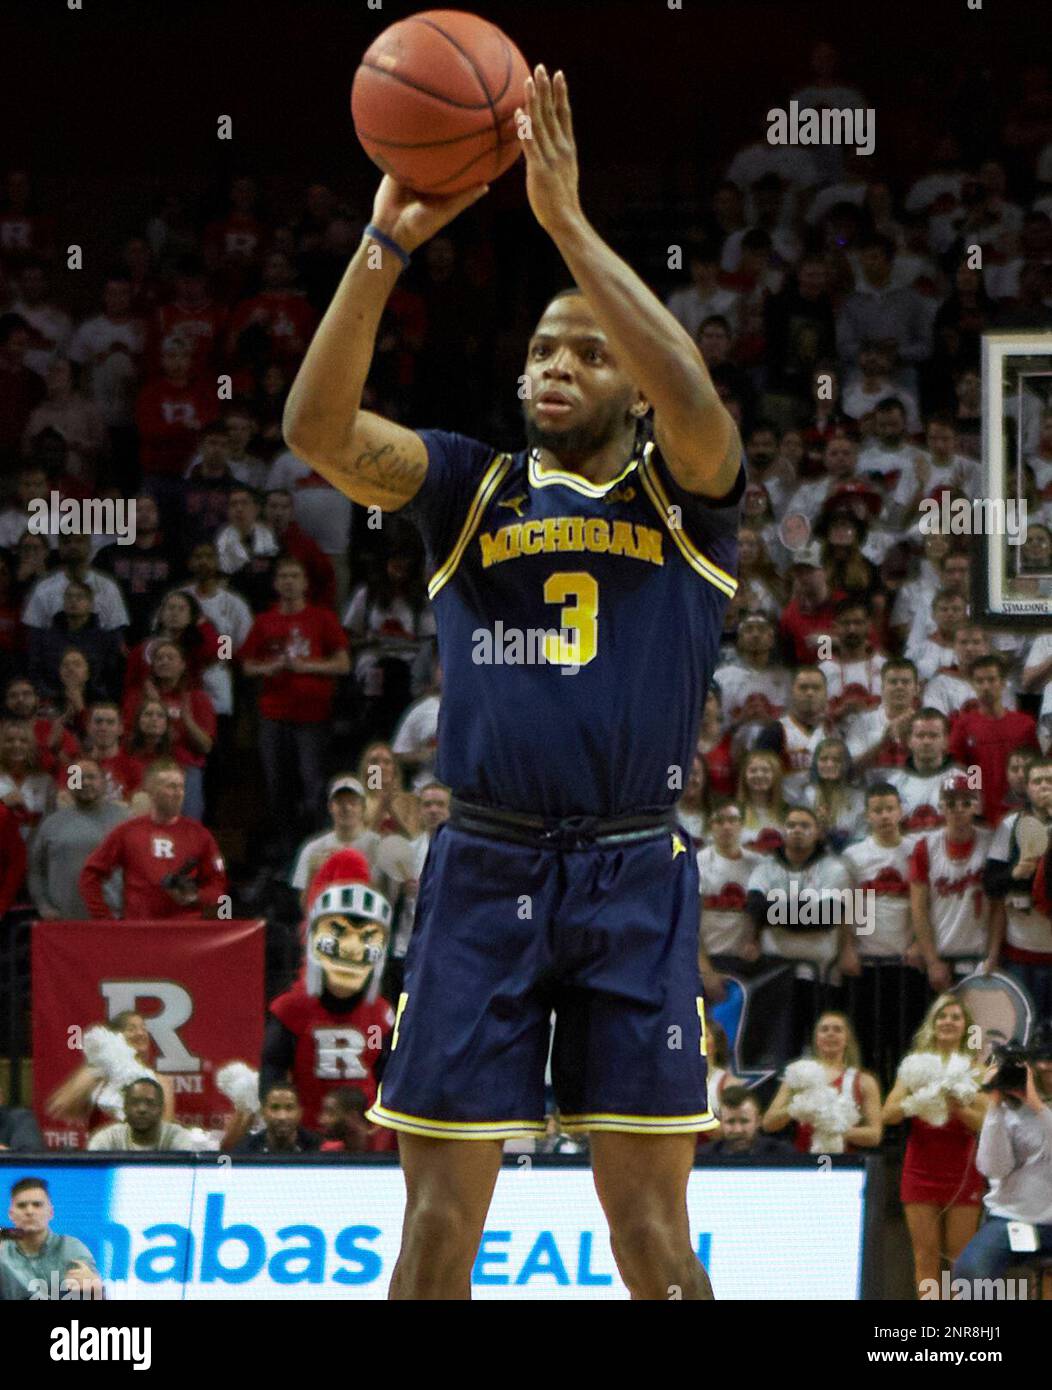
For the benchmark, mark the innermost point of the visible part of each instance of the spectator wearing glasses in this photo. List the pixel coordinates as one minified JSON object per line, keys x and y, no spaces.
{"x":949,"y":910}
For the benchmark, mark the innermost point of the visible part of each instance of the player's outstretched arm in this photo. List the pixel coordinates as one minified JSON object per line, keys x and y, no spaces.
{"x":372,"y":460}
{"x":694,"y":430}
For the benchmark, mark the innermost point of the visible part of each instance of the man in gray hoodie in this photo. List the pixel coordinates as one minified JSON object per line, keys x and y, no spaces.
{"x":64,"y":840}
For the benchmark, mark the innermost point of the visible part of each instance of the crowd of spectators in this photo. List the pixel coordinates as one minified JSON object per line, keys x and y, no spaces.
{"x":258,"y":656}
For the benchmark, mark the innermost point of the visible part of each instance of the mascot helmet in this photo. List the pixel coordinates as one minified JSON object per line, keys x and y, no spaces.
{"x":348,"y":930}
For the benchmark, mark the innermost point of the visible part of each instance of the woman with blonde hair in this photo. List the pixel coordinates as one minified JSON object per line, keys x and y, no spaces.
{"x":389,"y":809}
{"x":834,"y":1047}
{"x":938,"y":1090}
{"x":763,"y":804}
{"x":87,"y":1098}
{"x":840,"y":807}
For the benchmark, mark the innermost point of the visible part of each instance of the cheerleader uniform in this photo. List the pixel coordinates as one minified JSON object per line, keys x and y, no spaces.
{"x":850,"y":1077}
{"x":939,"y":1169}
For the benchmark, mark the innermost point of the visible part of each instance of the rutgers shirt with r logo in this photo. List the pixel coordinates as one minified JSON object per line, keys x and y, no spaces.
{"x":147,"y":852}
{"x":883,"y":870}
{"x":724,"y":884}
{"x":957,"y":905}
{"x":333,"y":1048}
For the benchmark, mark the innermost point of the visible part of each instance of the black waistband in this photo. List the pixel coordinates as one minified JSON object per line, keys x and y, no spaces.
{"x":572,"y":832}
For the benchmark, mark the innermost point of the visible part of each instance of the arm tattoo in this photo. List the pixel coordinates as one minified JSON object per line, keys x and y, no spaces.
{"x":387,"y":469}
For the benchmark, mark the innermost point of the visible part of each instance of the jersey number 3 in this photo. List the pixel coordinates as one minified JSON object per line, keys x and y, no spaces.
{"x":575,"y":643}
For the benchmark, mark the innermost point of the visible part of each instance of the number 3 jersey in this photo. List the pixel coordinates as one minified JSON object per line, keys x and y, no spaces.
{"x":578,"y":626}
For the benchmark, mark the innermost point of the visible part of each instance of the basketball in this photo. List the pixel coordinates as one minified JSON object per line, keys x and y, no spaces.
{"x":434,"y":101}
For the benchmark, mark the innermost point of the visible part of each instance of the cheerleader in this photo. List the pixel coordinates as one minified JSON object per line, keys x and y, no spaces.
{"x":941,"y":1187}
{"x":86,"y":1098}
{"x":835,"y":1047}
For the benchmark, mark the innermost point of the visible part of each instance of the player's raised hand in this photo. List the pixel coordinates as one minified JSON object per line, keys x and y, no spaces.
{"x":551,"y":153}
{"x":411,"y":218}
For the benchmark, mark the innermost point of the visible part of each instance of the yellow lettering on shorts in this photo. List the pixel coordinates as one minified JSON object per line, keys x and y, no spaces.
{"x":403,"y":1000}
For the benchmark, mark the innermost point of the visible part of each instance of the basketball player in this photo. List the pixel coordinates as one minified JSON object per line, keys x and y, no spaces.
{"x":560,"y":881}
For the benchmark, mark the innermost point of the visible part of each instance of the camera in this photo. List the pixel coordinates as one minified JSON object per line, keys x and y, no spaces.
{"x":1011,"y":1060}
{"x":182,"y":878}
{"x":178,"y":881}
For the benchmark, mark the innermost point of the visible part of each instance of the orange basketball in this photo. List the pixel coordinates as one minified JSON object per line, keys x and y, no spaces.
{"x":434,"y":101}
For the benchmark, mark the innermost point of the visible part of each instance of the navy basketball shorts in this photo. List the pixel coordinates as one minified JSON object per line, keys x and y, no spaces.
{"x":604,"y":937}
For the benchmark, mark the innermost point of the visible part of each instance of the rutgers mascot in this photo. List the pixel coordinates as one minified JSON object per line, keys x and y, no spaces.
{"x":332,"y":1029}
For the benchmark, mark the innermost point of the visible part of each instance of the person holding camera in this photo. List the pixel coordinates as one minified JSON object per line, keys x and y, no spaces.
{"x":172,"y":866}
{"x":1015,"y":1155}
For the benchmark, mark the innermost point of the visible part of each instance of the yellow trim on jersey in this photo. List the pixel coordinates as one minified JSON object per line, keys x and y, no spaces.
{"x":452,"y":1129}
{"x":491,"y":481}
{"x":548,"y":477}
{"x":639,"y":1124}
{"x":701,"y":564}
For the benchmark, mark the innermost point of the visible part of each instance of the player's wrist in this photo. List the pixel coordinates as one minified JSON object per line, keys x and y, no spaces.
{"x":567,"y":226}
{"x":392,"y":241}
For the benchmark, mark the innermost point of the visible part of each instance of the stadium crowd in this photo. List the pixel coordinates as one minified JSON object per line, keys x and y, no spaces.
{"x":257,"y":670}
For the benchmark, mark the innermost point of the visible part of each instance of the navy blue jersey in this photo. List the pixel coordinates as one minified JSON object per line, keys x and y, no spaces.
{"x":578,"y":626}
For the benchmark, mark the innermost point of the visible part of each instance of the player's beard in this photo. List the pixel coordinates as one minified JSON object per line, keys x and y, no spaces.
{"x":579,"y":442}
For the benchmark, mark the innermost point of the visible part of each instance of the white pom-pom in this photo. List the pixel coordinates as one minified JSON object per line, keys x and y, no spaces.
{"x":805,"y":1075}
{"x":826,"y":1111}
{"x":825,"y":1143}
{"x":928,"y":1103}
{"x":959,"y":1079}
{"x":110,"y":1101}
{"x":240,"y":1084}
{"x":919,"y":1069}
{"x":845,"y":1113}
{"x":201,"y":1141}
{"x":930,"y":1078}
{"x":111,"y":1054}
{"x":807,"y":1107}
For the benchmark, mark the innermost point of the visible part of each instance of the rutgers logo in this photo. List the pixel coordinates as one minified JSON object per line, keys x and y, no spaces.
{"x":163,"y":849}
{"x":337,"y":1054}
{"x":956,"y":887}
{"x":177,"y":1006}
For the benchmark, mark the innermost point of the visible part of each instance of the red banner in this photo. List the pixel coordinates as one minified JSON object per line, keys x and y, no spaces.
{"x":197,"y":984}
